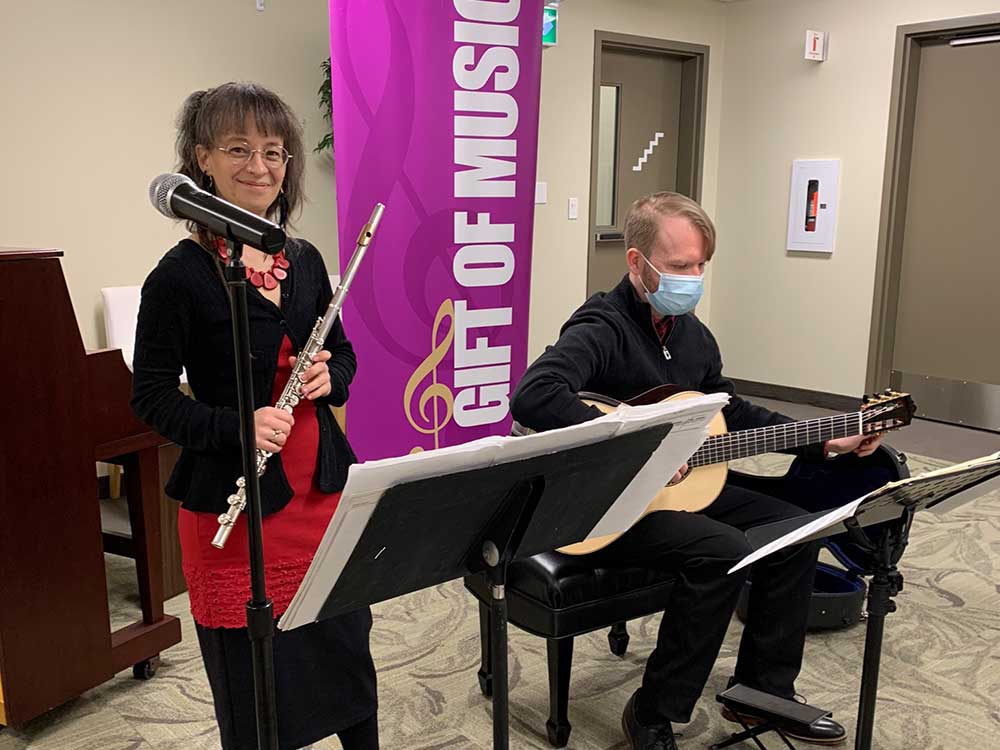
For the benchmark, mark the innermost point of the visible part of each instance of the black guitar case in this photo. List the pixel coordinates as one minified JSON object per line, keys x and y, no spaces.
{"x":822,"y":484}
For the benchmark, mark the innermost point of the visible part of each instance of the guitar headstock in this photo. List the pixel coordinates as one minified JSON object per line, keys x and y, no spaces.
{"x":886,"y":411}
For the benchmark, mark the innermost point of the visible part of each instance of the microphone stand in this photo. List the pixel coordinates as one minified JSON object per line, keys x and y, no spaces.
{"x":260,"y":611}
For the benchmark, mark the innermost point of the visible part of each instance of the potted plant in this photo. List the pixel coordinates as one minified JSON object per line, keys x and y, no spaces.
{"x":325,"y":93}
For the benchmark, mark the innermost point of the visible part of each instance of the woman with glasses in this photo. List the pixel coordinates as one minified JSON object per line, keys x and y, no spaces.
{"x":243,"y":143}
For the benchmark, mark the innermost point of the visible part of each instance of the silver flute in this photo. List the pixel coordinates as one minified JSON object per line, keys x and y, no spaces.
{"x":290,"y":395}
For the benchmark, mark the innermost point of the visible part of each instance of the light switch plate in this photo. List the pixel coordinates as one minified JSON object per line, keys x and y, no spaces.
{"x":541,"y":192}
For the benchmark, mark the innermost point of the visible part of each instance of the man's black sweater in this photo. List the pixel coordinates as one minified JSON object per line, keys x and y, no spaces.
{"x":609,"y":346}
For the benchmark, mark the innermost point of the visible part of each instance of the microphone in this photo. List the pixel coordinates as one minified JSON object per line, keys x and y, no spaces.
{"x":177,"y":197}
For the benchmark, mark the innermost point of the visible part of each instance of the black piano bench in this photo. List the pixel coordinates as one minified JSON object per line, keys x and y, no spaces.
{"x":559,"y":596}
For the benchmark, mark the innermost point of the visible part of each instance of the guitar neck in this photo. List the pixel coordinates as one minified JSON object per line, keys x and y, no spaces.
{"x":746,"y":443}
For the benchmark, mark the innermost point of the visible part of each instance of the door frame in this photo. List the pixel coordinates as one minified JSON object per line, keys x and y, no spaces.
{"x":899,"y":145}
{"x":694,"y":94}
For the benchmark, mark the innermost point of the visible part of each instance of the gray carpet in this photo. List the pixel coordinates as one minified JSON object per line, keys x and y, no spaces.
{"x":939,"y":689}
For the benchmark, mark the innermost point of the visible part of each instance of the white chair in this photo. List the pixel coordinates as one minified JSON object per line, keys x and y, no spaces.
{"x":121,"y":309}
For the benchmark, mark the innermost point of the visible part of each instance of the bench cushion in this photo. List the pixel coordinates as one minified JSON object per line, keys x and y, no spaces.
{"x":556,"y":596}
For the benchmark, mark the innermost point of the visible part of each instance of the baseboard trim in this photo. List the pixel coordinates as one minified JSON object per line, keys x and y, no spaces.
{"x":793,"y":395}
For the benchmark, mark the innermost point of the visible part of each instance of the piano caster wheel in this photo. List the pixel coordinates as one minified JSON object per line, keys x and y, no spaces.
{"x":145,"y":669}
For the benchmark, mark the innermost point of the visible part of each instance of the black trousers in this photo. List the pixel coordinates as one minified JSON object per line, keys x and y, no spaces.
{"x":362,"y":736}
{"x":324,"y":682}
{"x":698,"y":548}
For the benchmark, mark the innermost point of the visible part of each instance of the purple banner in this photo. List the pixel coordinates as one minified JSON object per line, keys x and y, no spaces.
{"x":435,"y":111}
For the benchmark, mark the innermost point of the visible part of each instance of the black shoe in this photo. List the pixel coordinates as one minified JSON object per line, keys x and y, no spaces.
{"x":823,"y":731}
{"x":651,"y":737}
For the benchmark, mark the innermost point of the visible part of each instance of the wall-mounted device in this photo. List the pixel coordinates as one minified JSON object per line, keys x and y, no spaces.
{"x":817,"y":43}
{"x":812,"y":205}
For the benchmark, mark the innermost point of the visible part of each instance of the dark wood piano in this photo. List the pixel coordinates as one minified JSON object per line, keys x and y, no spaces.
{"x":64,"y":409}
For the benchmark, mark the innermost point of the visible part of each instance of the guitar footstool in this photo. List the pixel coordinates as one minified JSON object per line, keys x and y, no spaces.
{"x":770,"y":713}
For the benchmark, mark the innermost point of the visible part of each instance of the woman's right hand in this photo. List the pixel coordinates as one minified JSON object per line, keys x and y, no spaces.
{"x":271,"y":428}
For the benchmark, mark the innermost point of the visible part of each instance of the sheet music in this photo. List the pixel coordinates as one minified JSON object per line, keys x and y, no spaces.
{"x":832,"y":518}
{"x":938,"y":490}
{"x":961,"y":498}
{"x":366,"y":482}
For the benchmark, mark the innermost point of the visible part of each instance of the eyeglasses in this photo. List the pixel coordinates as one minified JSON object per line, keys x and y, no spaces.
{"x":272,"y":156}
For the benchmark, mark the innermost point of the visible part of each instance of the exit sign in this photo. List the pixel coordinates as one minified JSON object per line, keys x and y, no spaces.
{"x":550,"y":20}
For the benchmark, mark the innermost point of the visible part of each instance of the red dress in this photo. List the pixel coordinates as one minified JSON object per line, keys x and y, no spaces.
{"x":219,"y":580}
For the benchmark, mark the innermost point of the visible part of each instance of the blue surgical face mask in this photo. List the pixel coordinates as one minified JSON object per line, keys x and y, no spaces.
{"x":676,"y":295}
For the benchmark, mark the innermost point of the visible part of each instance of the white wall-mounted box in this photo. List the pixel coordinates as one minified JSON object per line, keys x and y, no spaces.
{"x":812,"y":205}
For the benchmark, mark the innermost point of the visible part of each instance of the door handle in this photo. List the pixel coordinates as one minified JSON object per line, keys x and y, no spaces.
{"x":609,"y":236}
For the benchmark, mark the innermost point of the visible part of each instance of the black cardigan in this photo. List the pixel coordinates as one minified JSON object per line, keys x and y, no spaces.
{"x":184,"y":322}
{"x":609,"y":346}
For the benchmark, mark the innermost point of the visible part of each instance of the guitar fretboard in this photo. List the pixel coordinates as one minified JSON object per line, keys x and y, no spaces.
{"x":745,"y":443}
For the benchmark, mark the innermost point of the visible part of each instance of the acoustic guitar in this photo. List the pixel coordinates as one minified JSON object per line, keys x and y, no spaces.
{"x":708,"y":467}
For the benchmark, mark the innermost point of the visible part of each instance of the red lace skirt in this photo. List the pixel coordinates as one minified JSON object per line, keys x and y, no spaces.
{"x":219,"y":580}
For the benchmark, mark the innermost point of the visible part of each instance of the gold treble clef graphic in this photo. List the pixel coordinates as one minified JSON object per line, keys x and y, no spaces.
{"x":435,"y":391}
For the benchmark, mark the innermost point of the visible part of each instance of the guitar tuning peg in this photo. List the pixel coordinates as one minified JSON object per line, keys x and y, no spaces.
{"x":865,"y":399}
{"x":888,"y":391}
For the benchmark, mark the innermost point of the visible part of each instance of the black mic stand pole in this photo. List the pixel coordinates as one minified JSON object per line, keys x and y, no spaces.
{"x":260,"y":611}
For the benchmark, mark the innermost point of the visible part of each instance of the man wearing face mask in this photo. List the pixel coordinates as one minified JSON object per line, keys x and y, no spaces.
{"x":642,"y":334}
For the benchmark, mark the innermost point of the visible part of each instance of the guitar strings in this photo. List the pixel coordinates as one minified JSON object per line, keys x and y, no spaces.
{"x":744,"y":443}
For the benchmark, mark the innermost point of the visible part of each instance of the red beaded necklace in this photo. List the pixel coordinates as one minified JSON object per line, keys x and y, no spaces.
{"x":268,"y":279}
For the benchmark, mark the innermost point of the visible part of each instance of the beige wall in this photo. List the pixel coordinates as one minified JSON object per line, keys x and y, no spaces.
{"x":90,"y":92}
{"x":98,"y":87}
{"x":796,"y":319}
{"x":559,"y":260}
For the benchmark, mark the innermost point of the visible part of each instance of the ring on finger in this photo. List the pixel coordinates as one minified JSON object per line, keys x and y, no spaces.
{"x":275,"y":434}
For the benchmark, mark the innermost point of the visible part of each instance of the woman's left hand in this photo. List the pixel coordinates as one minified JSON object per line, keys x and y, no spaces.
{"x":316,"y":378}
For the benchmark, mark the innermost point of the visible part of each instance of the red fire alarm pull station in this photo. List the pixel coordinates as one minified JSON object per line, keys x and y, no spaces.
{"x":816,"y":45}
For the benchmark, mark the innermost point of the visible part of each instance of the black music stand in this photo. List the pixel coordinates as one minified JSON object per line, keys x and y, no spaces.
{"x":897,"y":503}
{"x":428,"y":531}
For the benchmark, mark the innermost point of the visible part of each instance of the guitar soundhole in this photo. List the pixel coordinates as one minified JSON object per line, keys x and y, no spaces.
{"x":684,"y":476}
